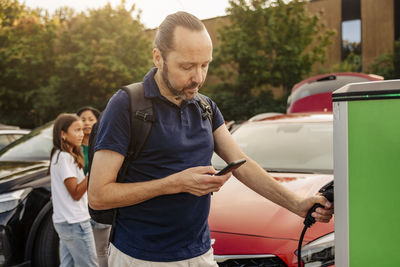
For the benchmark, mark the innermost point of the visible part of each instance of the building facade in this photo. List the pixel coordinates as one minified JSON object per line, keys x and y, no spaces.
{"x":365,"y":28}
{"x":368,"y":28}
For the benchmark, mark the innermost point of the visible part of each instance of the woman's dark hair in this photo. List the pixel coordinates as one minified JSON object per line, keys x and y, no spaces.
{"x":61,"y":124}
{"x":95,"y":111}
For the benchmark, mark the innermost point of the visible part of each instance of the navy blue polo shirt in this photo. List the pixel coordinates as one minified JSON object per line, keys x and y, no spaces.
{"x":169,"y":227}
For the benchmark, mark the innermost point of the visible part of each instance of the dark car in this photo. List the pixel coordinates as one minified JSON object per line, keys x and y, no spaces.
{"x":9,"y":134}
{"x":27,"y":236}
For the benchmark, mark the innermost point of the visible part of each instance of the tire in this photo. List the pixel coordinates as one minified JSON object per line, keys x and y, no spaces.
{"x":46,"y":247}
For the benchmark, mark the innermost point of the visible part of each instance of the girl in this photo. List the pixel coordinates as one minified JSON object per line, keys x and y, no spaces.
{"x":89,"y":117}
{"x":68,"y":185}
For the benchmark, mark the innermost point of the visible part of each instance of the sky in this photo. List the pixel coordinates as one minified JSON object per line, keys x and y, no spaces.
{"x":153,"y":11}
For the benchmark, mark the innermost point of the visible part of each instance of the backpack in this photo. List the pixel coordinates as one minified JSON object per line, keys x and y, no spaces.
{"x":141,"y":119}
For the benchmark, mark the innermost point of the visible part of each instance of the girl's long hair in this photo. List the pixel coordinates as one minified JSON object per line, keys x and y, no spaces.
{"x":62,"y":123}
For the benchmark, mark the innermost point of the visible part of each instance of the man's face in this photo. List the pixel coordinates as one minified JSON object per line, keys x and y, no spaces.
{"x":184,"y":69}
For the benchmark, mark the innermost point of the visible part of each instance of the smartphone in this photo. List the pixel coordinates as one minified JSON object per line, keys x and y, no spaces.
{"x":231,"y":166}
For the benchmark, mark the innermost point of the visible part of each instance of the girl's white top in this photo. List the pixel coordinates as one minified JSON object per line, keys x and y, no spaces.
{"x":65,"y":208}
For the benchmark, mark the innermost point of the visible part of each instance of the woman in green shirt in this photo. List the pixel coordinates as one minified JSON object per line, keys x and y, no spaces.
{"x":101,"y":232}
{"x":89,"y":117}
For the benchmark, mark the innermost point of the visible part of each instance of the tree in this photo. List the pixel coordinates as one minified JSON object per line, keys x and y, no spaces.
{"x":97,"y":53}
{"x":53,"y":64}
{"x":26,"y":59}
{"x":267,"y":44}
{"x":388,"y":65}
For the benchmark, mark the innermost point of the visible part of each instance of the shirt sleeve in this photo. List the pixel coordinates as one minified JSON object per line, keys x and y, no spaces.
{"x":65,"y":166}
{"x":114,"y":127}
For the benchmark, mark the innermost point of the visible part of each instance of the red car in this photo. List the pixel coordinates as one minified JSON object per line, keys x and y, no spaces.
{"x":315,"y":93}
{"x":248,"y":230}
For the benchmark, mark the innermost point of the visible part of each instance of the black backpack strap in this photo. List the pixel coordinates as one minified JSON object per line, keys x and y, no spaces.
{"x":92,"y":141}
{"x":207,"y":110}
{"x":141,"y":117}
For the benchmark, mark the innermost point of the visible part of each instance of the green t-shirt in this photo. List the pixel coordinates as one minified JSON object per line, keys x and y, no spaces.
{"x":85,"y":155}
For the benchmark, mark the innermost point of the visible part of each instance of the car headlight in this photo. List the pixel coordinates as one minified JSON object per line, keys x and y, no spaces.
{"x":10,"y":200}
{"x":319,"y":252}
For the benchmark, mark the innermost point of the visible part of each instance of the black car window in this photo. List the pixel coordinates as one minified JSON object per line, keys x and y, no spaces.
{"x":291,"y":147}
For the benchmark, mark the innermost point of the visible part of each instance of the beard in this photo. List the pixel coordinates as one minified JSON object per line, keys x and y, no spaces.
{"x":179,"y":93}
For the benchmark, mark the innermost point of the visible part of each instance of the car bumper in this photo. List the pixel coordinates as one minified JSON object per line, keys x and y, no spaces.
{"x":249,"y":260}
{"x":233,"y":250}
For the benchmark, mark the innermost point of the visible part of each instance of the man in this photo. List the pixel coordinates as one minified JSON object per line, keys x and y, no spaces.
{"x":163,"y":208}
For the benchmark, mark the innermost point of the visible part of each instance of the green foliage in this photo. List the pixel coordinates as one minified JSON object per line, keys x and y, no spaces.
{"x":97,"y":53}
{"x":351,"y":64}
{"x":388,"y":65}
{"x":10,"y":10}
{"x":268,"y":43}
{"x":26,"y":59}
{"x":53,"y":64}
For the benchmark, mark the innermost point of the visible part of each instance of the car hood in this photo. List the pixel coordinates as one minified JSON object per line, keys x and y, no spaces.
{"x":18,"y":174}
{"x":237,"y":210}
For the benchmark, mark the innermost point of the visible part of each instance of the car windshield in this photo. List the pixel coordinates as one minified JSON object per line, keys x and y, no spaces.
{"x":34,"y":146}
{"x":289,"y":147}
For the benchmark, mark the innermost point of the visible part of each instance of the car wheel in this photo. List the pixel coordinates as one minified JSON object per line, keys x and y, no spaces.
{"x":45,"y":251}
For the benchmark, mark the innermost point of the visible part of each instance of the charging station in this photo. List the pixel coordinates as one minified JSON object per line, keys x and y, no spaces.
{"x":366,"y":131}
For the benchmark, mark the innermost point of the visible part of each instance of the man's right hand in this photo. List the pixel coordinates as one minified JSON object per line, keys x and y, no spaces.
{"x":105,"y":193}
{"x":200,"y":181}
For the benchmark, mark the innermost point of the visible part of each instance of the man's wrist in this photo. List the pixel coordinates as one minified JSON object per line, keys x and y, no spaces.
{"x":171,"y":184}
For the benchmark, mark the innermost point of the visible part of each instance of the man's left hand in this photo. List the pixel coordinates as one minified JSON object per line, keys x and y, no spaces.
{"x":321,"y":214}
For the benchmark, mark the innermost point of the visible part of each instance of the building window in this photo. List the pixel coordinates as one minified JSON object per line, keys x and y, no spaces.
{"x":351,"y":32}
{"x":351,"y":40}
{"x":397,"y":20}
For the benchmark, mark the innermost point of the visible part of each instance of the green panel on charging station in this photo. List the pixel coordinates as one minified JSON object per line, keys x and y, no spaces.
{"x":374,"y":182}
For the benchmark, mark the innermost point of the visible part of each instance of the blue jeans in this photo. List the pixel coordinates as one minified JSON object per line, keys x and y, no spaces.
{"x":101,"y":233}
{"x":77,"y":246}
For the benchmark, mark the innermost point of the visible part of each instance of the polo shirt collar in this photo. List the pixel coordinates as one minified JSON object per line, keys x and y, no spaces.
{"x":151,"y":89}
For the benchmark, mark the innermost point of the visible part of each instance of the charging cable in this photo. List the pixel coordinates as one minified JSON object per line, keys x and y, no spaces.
{"x":327,"y":192}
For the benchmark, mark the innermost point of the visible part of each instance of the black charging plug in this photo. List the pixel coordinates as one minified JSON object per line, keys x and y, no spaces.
{"x":327,"y":192}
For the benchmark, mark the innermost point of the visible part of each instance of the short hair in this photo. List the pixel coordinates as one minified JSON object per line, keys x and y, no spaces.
{"x":95,"y":111}
{"x":165,"y":33}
